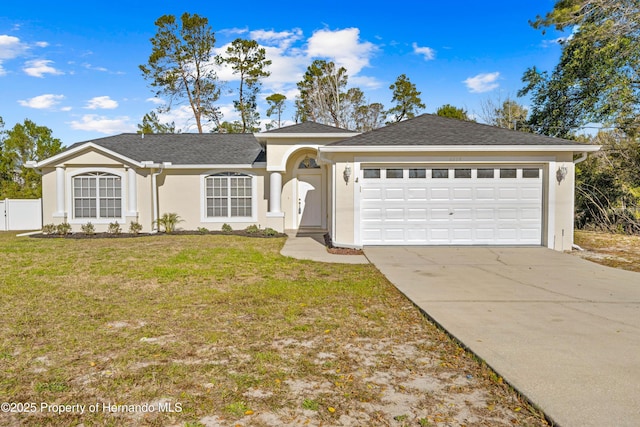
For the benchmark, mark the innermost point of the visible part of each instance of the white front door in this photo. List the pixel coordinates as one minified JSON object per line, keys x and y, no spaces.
{"x":309,"y":203}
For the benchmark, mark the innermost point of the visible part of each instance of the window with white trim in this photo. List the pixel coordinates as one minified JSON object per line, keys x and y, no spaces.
{"x":97,"y":195}
{"x":229,"y":195}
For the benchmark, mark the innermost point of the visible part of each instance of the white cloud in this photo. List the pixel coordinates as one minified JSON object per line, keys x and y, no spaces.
{"x":484,"y":82}
{"x":343,"y":47}
{"x":282,"y":39}
{"x":156,"y":101}
{"x":42,"y":44}
{"x":102,"y":124}
{"x":427,"y":52}
{"x":40,"y":67}
{"x":101,"y":102}
{"x":10,"y":47}
{"x":42,"y":102}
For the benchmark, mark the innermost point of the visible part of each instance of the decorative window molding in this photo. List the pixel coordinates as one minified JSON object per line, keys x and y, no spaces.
{"x":96,"y":196}
{"x":229,"y":197}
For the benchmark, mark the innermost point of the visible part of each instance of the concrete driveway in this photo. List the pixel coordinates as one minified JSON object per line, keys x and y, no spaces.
{"x":563,"y":331}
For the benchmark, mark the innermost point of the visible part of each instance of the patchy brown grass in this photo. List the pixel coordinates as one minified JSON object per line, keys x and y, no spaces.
{"x":224,"y":331}
{"x":613,"y":250}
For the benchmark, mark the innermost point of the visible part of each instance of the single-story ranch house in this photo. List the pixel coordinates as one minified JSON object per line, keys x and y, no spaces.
{"x":424,"y":181}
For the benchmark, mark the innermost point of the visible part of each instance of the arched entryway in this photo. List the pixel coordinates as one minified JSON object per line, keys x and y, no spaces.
{"x":310,"y":193}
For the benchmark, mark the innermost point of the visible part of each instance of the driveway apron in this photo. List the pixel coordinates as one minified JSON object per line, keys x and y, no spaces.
{"x":563,"y":331}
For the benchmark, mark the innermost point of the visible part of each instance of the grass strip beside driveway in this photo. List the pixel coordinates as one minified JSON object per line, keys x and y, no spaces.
{"x":223,"y":330}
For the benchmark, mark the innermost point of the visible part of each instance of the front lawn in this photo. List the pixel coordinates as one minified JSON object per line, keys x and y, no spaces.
{"x":223,"y":330}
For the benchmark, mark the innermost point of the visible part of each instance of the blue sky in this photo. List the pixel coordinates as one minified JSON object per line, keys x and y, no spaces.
{"x":75,"y":68}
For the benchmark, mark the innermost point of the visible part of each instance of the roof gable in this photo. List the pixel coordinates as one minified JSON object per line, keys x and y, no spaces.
{"x":309,"y":127}
{"x":429,"y":129}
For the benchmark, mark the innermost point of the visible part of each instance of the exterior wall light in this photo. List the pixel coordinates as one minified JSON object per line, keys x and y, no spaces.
{"x":346,"y":174}
{"x":561,"y":174}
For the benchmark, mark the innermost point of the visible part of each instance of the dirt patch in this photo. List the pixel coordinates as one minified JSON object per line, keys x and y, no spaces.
{"x":613,"y":250}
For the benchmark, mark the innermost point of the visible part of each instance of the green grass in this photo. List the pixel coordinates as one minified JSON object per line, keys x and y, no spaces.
{"x":223,"y":325}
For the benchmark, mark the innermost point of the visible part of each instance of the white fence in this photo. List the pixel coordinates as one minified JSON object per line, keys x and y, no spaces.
{"x":20,"y":214}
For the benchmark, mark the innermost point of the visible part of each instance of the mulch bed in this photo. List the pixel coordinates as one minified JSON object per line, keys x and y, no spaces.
{"x":339,"y":251}
{"x":259,"y":234}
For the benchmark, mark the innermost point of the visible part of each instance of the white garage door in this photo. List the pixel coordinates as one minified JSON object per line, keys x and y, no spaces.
{"x":451,"y":205}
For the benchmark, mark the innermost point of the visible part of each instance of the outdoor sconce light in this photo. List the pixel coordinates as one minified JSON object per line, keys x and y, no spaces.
{"x":561,"y":173}
{"x":346,"y":174}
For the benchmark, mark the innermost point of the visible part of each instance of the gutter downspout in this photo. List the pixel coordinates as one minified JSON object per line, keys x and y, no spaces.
{"x":580,"y":159}
{"x":154,"y":192}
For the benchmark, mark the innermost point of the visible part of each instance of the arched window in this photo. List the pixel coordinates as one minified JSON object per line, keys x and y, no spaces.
{"x":97,"y":195}
{"x":229,"y":195}
{"x":308,"y":163}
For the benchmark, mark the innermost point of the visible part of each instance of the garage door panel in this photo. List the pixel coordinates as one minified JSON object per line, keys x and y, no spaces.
{"x":487,"y":211}
{"x":394,"y":194}
{"x":463,"y":194}
{"x":417,"y":214}
{"x":417,"y":194}
{"x":440,"y":194}
{"x":484,"y":193}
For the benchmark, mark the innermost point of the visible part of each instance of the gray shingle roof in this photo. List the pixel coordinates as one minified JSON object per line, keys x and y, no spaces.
{"x":429,"y":129}
{"x":185,"y":148}
{"x":309,"y":127}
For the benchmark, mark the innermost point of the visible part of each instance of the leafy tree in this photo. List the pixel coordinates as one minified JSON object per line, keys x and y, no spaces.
{"x":180,"y":66}
{"x":229,"y":127}
{"x":25,"y":142}
{"x":276,"y":106}
{"x":608,"y":185}
{"x":407,"y":99}
{"x":321,"y":91}
{"x":358,"y":114}
{"x":151,"y":124}
{"x":598,"y":76}
{"x":248,"y":60}
{"x":452,"y":112}
{"x":507,"y":114}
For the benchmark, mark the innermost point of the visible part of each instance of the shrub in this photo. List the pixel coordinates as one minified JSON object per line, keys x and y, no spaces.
{"x":88,"y":228}
{"x":48,"y":229}
{"x":226,"y":228}
{"x":114,"y":228}
{"x":135,"y":227}
{"x":63,"y":228}
{"x":168,"y":221}
{"x":203,"y":230}
{"x":269,"y":232}
{"x":252,"y":229}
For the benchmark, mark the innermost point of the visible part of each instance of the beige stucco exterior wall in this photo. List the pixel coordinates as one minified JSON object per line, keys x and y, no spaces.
{"x":181,"y":191}
{"x":558,"y":198}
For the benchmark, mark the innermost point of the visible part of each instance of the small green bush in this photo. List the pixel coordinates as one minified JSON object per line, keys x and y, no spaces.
{"x":269,"y":232}
{"x":203,"y":230}
{"x":88,"y":228}
{"x":226,"y":228}
{"x":169,"y":221}
{"x":48,"y":229}
{"x":63,"y":229}
{"x":252,"y":229}
{"x":135,"y":227}
{"x":114,"y":228}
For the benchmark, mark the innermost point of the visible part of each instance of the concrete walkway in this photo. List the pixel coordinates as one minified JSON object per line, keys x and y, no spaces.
{"x":311,"y":246}
{"x":563,"y":331}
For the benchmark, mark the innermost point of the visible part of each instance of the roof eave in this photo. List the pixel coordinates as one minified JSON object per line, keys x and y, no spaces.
{"x":466,"y":148}
{"x":264,"y":137}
